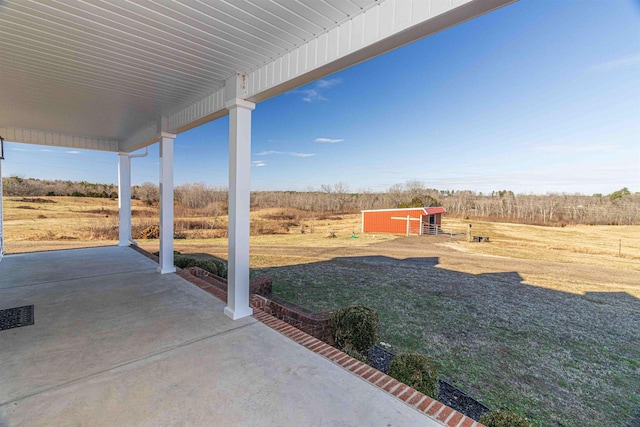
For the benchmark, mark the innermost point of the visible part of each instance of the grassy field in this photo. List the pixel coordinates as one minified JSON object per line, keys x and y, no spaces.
{"x":540,"y":320}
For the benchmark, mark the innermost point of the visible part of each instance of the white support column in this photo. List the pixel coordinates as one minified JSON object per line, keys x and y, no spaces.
{"x":239,"y":207}
{"x":166,"y":203}
{"x":124,"y":198}
{"x":1,"y":217}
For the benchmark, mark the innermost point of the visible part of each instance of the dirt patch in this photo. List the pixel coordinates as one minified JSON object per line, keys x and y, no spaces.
{"x":105,"y":212}
{"x":33,"y":200}
{"x":281,"y":217}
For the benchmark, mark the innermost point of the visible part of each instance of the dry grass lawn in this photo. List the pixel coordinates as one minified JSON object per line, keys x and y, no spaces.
{"x":541,"y":320}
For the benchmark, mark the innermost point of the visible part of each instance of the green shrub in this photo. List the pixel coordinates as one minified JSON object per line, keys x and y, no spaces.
{"x":213,"y":266}
{"x":183,"y":261}
{"x":503,"y":418}
{"x":415,"y":370}
{"x":355,"y":328}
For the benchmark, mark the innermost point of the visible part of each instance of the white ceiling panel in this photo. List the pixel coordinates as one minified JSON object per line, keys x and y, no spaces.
{"x":107,"y":70}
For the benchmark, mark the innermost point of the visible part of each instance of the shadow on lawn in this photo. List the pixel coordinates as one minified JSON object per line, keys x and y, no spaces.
{"x":382,"y":260}
{"x":560,"y":358}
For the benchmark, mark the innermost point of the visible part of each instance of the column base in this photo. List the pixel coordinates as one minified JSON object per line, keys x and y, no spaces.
{"x":239,"y":313}
{"x":166,"y":270}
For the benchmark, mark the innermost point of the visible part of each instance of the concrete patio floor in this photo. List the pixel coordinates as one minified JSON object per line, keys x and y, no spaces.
{"x":116,"y":343}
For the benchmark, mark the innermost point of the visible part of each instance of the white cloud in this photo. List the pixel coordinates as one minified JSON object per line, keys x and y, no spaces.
{"x":327,"y":83}
{"x":314,"y":92}
{"x":617,"y":63}
{"x":259,"y":163}
{"x":328,"y":140}
{"x":312,"y":95}
{"x":301,"y":154}
{"x":284,"y":153}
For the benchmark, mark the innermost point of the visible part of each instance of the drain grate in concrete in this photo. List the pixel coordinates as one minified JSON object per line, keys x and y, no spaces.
{"x":16,"y":317}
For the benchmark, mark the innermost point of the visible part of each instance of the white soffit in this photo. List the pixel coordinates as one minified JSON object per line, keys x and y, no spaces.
{"x":99,"y":74}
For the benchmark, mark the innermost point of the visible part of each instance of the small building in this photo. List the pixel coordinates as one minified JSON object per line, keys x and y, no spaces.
{"x":403,"y":221}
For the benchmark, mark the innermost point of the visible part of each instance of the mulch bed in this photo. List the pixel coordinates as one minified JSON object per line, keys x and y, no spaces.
{"x":451,"y":396}
{"x":460,"y":401}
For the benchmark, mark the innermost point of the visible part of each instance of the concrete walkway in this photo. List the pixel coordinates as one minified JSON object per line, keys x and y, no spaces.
{"x":116,"y":343}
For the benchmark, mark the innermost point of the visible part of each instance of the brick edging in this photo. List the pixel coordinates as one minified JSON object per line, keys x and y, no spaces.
{"x":417,"y":400}
{"x":145,"y":253}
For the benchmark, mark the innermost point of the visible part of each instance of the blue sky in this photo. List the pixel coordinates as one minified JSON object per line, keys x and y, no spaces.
{"x":540,"y":96}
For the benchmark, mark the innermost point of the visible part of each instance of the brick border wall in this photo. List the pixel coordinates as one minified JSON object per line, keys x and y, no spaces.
{"x":258,"y":286}
{"x":260,"y":291}
{"x":260,"y":298}
{"x":308,"y":329}
{"x":417,"y":400}
{"x":317,"y":325}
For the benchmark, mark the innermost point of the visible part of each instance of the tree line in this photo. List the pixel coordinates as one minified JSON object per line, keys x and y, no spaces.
{"x":618,"y":208}
{"x":17,"y":186}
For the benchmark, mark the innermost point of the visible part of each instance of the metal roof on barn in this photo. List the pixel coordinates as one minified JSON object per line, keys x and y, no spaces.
{"x":427,"y":211}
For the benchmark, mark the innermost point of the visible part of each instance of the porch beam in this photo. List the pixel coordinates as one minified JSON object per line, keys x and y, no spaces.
{"x":387,"y":25}
{"x":166,"y":203}
{"x":239,"y":207}
{"x":56,"y":139}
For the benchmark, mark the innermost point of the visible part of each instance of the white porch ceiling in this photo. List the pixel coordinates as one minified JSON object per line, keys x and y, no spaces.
{"x":100,"y":74}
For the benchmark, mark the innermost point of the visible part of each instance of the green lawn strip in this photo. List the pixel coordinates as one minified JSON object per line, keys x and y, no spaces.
{"x":557,"y":358}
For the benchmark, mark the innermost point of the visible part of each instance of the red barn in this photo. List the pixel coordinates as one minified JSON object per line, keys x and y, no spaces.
{"x":403,"y":221}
